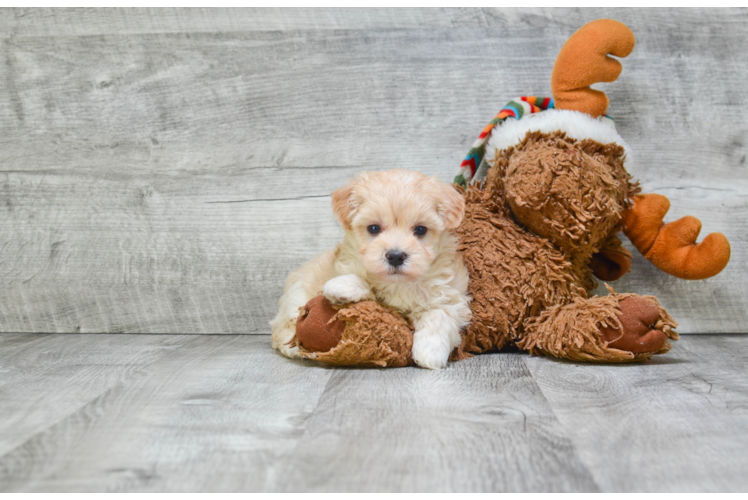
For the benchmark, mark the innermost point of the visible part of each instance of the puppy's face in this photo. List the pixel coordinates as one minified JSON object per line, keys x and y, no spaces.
{"x":397,"y":218}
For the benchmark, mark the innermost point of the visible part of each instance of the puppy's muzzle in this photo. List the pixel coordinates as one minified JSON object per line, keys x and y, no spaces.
{"x":396,"y":258}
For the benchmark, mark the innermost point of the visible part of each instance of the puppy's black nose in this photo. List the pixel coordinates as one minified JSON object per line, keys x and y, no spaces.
{"x":396,"y":257}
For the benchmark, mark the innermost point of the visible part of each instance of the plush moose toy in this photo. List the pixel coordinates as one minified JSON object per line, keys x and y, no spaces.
{"x":540,"y":224}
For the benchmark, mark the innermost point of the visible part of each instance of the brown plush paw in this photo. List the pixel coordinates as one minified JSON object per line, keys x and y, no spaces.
{"x":364,"y":334}
{"x":638,"y":317}
{"x":315,"y":329}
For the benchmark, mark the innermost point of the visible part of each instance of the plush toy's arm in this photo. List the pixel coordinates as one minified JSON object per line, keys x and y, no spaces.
{"x":672,"y":247}
{"x":612,"y":261}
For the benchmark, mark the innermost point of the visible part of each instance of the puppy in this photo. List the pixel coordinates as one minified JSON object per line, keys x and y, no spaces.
{"x":398,"y":249}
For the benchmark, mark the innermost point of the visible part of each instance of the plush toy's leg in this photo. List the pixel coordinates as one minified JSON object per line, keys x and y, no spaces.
{"x":615,"y":328}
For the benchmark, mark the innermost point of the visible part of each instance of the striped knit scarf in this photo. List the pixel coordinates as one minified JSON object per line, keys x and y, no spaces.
{"x":514,"y":109}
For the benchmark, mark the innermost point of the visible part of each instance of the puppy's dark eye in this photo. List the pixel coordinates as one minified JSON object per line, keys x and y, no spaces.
{"x":374,"y":229}
{"x":420,"y":230}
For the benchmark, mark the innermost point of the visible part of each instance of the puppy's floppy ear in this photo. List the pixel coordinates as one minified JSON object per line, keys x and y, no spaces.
{"x":343,"y":205}
{"x":452,"y":206}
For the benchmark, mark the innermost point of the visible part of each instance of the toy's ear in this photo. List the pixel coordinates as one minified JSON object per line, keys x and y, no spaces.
{"x":452,"y":206}
{"x":343,"y":204}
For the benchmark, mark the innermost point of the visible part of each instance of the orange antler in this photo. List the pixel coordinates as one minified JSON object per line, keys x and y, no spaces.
{"x":584,"y":60}
{"x":672,"y":247}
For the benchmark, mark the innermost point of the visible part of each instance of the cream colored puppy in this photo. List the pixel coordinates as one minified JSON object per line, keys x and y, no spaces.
{"x":398,"y":249}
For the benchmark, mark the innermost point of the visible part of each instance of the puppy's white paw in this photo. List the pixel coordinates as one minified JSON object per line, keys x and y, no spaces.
{"x":290,"y":352}
{"x":431,"y":351}
{"x":280,"y":339}
{"x":345,"y":289}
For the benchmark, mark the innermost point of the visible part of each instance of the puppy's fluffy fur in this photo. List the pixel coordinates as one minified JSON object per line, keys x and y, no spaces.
{"x":430,"y":286}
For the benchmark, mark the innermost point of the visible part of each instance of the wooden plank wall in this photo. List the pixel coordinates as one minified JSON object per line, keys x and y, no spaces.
{"x":162,"y":170}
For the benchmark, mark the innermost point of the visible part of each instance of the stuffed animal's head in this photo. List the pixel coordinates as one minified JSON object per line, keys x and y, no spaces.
{"x":562,"y":171}
{"x":570,"y":191}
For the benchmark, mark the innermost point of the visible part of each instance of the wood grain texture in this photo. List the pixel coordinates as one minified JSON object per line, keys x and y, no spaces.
{"x":92,"y":21}
{"x":481,"y":425}
{"x":653,"y":427}
{"x":83,"y":412}
{"x":163,"y":170}
{"x":217,"y":414}
{"x":47,"y":378}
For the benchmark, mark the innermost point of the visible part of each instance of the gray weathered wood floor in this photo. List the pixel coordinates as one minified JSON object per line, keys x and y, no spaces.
{"x":87,"y":412}
{"x":162,"y":170}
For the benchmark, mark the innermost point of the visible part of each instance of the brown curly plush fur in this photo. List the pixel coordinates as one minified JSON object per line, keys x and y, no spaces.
{"x":572,"y":330}
{"x":570,"y":192}
{"x":514,"y":274}
{"x":534,"y":231}
{"x":530,"y":233}
{"x":373,"y":336}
